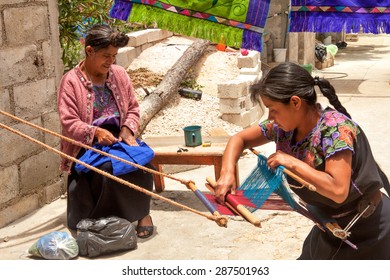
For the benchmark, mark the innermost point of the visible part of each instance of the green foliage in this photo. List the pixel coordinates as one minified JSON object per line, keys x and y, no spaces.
{"x":190,"y":81}
{"x":75,"y":17}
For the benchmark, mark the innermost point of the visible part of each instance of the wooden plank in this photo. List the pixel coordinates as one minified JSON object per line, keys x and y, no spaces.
{"x":163,"y":141}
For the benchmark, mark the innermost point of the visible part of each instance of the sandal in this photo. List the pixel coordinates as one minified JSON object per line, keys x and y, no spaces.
{"x":146,"y":230}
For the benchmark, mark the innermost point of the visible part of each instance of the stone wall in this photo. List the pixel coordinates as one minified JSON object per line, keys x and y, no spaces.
{"x":30,"y":69}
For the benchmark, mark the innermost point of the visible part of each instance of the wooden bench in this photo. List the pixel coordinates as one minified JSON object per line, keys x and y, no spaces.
{"x":199,"y":155}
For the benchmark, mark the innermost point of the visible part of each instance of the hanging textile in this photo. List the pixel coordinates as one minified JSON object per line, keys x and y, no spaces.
{"x":340,"y":15}
{"x":236,"y":23}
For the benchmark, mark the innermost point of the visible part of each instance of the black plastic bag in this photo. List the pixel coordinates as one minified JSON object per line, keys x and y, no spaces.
{"x":105,"y":235}
{"x":320,"y":52}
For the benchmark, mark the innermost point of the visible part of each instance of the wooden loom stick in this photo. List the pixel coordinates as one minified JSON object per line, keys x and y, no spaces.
{"x":245,"y":213}
{"x":292,"y":175}
{"x":207,"y":203}
{"x":212,"y":190}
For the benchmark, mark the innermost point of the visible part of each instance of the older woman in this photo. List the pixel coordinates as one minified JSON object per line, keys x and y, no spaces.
{"x":97,"y":105}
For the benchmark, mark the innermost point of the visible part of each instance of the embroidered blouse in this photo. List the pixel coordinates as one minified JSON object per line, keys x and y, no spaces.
{"x":333,"y":133}
{"x":105,"y":110}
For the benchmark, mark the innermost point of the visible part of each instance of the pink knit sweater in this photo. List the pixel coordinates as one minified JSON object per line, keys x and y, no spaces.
{"x":75,"y":107}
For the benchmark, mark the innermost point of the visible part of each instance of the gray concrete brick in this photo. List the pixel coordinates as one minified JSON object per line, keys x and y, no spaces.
{"x":5,"y":105}
{"x":126,"y":55}
{"x":248,"y":79}
{"x":138,"y":38}
{"x":248,"y":61}
{"x":248,"y":103}
{"x":9,"y":183}
{"x":54,"y":191}
{"x":156,"y":35}
{"x":23,"y":146}
{"x":1,"y":30}
{"x":51,"y":121}
{"x":233,"y":89}
{"x":251,"y":71}
{"x":232,"y":105}
{"x":240,"y":119}
{"x":39,"y":169}
{"x":26,"y":24}
{"x":18,"y":210}
{"x":34,"y":98}
{"x":47,"y":56}
{"x":21,"y":61}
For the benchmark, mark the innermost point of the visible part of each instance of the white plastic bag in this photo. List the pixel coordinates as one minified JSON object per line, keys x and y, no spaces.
{"x":55,"y":246}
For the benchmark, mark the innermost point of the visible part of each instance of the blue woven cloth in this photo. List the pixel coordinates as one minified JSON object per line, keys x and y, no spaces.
{"x":141,"y":155}
{"x":340,"y":15}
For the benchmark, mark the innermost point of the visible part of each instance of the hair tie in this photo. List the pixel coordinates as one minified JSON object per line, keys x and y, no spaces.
{"x":316,"y":80}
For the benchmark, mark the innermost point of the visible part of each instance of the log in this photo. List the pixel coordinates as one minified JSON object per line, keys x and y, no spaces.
{"x":170,"y":84}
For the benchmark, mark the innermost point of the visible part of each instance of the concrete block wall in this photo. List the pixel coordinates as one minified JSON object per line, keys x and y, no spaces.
{"x":235,"y":104}
{"x":30,"y":70}
{"x":138,"y":42}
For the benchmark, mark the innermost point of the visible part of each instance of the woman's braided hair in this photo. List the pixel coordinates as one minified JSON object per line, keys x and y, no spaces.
{"x":288,"y":79}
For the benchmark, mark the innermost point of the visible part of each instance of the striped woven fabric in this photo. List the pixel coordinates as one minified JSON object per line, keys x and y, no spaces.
{"x":238,"y":23}
{"x":340,"y":15}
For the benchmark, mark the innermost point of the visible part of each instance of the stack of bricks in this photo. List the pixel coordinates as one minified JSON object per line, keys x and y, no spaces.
{"x":138,"y":42}
{"x":235,"y":104}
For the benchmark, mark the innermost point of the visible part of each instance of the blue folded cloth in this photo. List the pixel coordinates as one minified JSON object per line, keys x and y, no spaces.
{"x":141,"y":154}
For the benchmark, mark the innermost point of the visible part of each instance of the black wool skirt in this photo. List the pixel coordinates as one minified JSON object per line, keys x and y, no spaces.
{"x":92,"y":195}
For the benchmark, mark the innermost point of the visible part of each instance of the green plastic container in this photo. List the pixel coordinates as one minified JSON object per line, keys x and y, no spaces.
{"x":308,"y":68}
{"x":192,"y":135}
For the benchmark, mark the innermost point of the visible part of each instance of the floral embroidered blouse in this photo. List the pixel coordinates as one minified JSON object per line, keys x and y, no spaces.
{"x":333,"y":133}
{"x":105,"y":110}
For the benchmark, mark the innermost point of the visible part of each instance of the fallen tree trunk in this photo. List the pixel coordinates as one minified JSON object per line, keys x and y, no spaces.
{"x":170,"y":84}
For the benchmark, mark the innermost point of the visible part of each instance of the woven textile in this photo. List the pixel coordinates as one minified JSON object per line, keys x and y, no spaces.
{"x":340,"y":15}
{"x":237,"y":23}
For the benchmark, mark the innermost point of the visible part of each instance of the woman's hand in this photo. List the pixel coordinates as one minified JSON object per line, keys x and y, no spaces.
{"x":127,"y":136}
{"x":280,"y":158}
{"x":105,"y":137}
{"x":225,"y":184}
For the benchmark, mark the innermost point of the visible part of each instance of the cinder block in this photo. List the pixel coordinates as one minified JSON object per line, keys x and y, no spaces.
{"x":233,"y":89}
{"x":24,"y":147}
{"x":126,"y":55}
{"x":138,"y":38}
{"x":51,"y":121}
{"x":142,"y":37}
{"x":26,"y":24}
{"x":241,"y":119}
{"x":42,"y":96}
{"x":248,"y":79}
{"x":251,"y":70}
{"x":21,"y":61}
{"x":248,"y":61}
{"x":54,"y":191}
{"x":248,"y":103}
{"x":9,"y":185}
{"x":5,"y":105}
{"x":34,"y":175}
{"x":23,"y":207}
{"x":232,"y":105}
{"x":156,"y":35}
